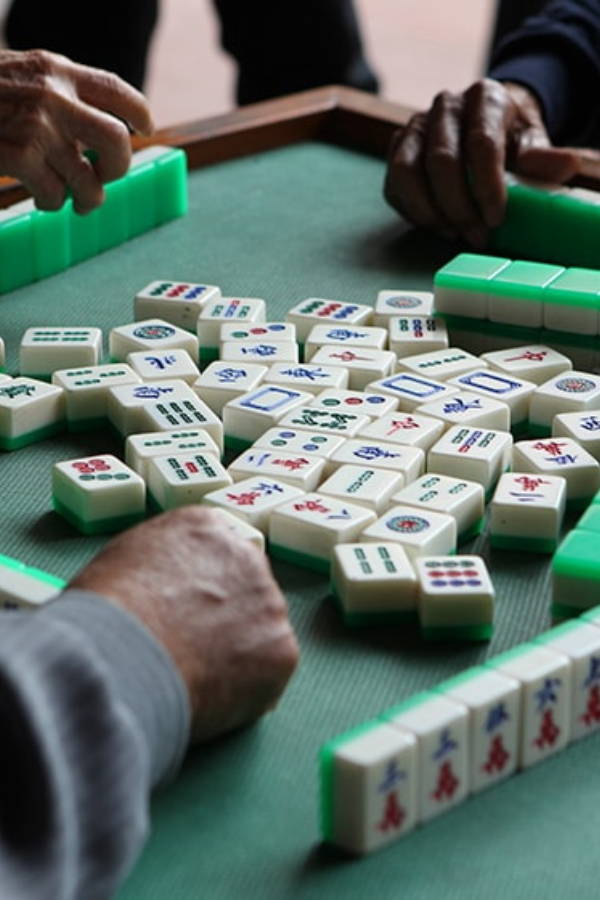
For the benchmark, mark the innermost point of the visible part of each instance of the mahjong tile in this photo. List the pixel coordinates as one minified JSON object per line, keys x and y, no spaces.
{"x":124,"y":402}
{"x":363,"y":364}
{"x":440,"y":364}
{"x":583,"y":427}
{"x":580,"y":642}
{"x":4,"y":378}
{"x":177,"y":302}
{"x":247,"y":417}
{"x":304,"y":531}
{"x":560,"y":456}
{"x":456,"y":598}
{"x":409,"y":335}
{"x":241,"y":529}
{"x":151,"y":335}
{"x":365,"y":485}
{"x":307,"y":377}
{"x":572,"y":300}
{"x":171,"y":413}
{"x":237,"y":310}
{"x":410,"y":429}
{"x":545,"y":680}
{"x":517,"y":293}
{"x":441,"y":726}
{"x":399,"y":303}
{"x":532,"y":362}
{"x":419,"y":532}
{"x":494,"y":703}
{"x":43,"y":350}
{"x":514,"y":392}
{"x":290,"y":440}
{"x":164,"y":364}
{"x":411,"y":390}
{"x":476,"y":454}
{"x":576,"y":573}
{"x":141,"y":448}
{"x":465,"y":408}
{"x":98,"y":494}
{"x":315,"y":311}
{"x":462,"y":286}
{"x":271,"y":332}
{"x":259,"y":351}
{"x":30,"y":411}
{"x":372,"y":405}
{"x":368,"y":787}
{"x":86,"y":391}
{"x":570,"y":392}
{"x":254,"y":499}
{"x":461,"y":499}
{"x":374,"y":583}
{"x":340,"y":336}
{"x":221,"y":382}
{"x":2,"y":355}
{"x":408,"y":461}
{"x":527,"y":511}
{"x":183,"y":478}
{"x":23,"y":587}
{"x":310,"y":418}
{"x":302,"y":471}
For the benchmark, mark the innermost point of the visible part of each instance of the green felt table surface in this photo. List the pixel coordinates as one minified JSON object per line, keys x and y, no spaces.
{"x":241,"y":820}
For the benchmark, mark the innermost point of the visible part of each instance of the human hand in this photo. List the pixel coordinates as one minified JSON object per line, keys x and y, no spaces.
{"x":210,"y":599}
{"x":446,"y":167}
{"x":51,"y":110}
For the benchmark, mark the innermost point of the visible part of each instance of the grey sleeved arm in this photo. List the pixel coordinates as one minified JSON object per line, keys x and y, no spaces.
{"x":93,"y":714}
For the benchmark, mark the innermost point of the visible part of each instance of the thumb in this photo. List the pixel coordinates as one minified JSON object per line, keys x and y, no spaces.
{"x":553,"y":164}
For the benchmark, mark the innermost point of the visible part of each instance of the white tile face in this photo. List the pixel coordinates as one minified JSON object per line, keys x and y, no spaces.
{"x":342,"y":336}
{"x":253,"y":499}
{"x":151,"y":335}
{"x":476,"y":454}
{"x":238,"y":310}
{"x":363,"y":365}
{"x":372,"y":405}
{"x":463,"y":500}
{"x":532,"y":362}
{"x":469,"y":409}
{"x":374,"y":578}
{"x":441,"y":728}
{"x":21,"y":589}
{"x":86,"y":389}
{"x":124,"y":403}
{"x":410,"y":429}
{"x":164,"y":364}
{"x":441,"y":364}
{"x":221,"y":382}
{"x":302,"y":471}
{"x":182,"y":478}
{"x":307,"y":377}
{"x":570,"y":392}
{"x":289,"y":440}
{"x":310,"y":418}
{"x":45,"y":349}
{"x":514,"y":392}
{"x":494,"y":709}
{"x":247,"y":417}
{"x":98,"y":487}
{"x":545,"y":696}
{"x":528,"y":506}
{"x":411,"y":390}
{"x":141,"y":448}
{"x":559,"y":456}
{"x":400,"y":303}
{"x":177,"y":302}
{"x":269,"y":332}
{"x":2,"y":354}
{"x":259,"y":351}
{"x":583,"y":427}
{"x":411,"y":335}
{"x":170,"y":414}
{"x":374,"y":796}
{"x":27,"y":405}
{"x":454,"y":591}
{"x":408,"y":461}
{"x":313,"y":524}
{"x":242,"y":529}
{"x":315,"y":311}
{"x":419,"y":532}
{"x":365,"y":485}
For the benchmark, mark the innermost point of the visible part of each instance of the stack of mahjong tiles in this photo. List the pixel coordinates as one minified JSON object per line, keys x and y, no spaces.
{"x":429,"y":753}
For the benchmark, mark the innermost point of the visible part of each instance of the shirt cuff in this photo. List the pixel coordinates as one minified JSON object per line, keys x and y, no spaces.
{"x":140,"y":672}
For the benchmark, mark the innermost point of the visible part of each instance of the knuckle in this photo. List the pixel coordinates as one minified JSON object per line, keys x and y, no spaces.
{"x":444,"y":100}
{"x":40,"y":62}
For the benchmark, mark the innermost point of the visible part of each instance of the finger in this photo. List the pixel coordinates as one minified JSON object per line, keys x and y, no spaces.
{"x":45,"y":185}
{"x":588,"y":161}
{"x":447,"y":171}
{"x":79,"y":174}
{"x":98,"y":131}
{"x":551,"y":164}
{"x":110,"y":93}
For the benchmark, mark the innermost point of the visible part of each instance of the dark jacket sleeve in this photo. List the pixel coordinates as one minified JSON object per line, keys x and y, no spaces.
{"x":557,"y":55}
{"x":93,"y":714}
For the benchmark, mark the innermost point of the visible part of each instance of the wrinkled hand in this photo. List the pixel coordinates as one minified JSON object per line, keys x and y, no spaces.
{"x":212,"y":602}
{"x":51,"y":110}
{"x":446,"y":167}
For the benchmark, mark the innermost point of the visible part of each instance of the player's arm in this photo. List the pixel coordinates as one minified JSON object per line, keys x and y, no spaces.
{"x":97,"y":698}
{"x":51,"y":110}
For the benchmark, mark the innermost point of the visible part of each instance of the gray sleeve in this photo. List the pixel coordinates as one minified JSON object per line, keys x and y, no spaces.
{"x":93,"y":714}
